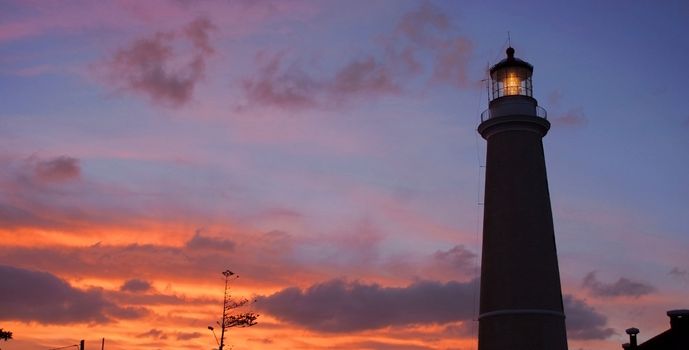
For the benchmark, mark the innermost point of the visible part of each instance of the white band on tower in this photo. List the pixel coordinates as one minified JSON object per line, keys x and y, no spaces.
{"x":521,"y":312}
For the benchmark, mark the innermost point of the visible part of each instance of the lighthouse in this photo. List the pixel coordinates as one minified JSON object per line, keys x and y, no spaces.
{"x":521,"y":298}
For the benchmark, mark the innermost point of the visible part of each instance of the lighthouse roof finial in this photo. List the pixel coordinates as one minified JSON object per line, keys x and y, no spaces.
{"x":510,"y":53}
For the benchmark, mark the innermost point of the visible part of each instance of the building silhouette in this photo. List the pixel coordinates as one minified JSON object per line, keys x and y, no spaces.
{"x":521,"y":299}
{"x":675,"y":338}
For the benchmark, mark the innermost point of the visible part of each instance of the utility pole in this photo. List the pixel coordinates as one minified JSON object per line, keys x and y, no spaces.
{"x":230,"y":320}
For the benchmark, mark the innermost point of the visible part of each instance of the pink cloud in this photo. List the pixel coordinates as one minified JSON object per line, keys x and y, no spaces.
{"x":554,"y":98}
{"x":572,"y":118}
{"x":451,"y":62}
{"x":290,"y":88}
{"x":58,"y":169}
{"x":152,"y":67}
{"x":623,"y":287}
{"x":367,"y":76}
{"x":283,"y":83}
{"x":420,"y":24}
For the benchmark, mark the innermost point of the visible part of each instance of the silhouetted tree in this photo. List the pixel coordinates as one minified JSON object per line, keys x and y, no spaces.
{"x":5,"y":335}
{"x":229,"y":320}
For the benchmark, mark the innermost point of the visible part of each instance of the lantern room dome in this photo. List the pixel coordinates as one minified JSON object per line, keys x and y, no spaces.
{"x":511,"y":61}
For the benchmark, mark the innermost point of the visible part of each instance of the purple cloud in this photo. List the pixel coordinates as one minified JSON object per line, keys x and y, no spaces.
{"x":583,"y":322}
{"x":425,"y":31}
{"x":574,"y":117}
{"x":365,"y":76}
{"x":43,"y":297}
{"x":61,"y":168}
{"x":209,"y":243}
{"x":198,"y":32}
{"x":153,"y":333}
{"x":680,"y":274}
{"x":135,"y":286}
{"x":275,"y":85}
{"x":458,"y":257}
{"x":340,"y":306}
{"x":380,"y":345}
{"x":151,"y":65}
{"x":187,"y":336}
{"x":623,"y":287}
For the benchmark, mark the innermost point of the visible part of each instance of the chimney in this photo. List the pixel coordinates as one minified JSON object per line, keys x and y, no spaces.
{"x":632,"y":337}
{"x":679,"y":320}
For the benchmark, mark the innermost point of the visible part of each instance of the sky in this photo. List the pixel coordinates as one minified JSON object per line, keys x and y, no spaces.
{"x":326,"y":152}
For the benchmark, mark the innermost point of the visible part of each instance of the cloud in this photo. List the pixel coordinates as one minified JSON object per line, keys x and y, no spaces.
{"x":428,"y":31}
{"x":680,"y":274}
{"x":289,"y":88}
{"x":282,"y":82}
{"x":158,"y":334}
{"x":187,"y":336}
{"x":209,"y":243}
{"x":420,"y":24}
{"x":199,"y":258}
{"x":198,"y":32}
{"x":340,"y":306}
{"x":621,"y":288}
{"x":153,"y":333}
{"x":50,"y":193}
{"x":58,"y":169}
{"x":451,"y":62}
{"x":574,"y":117}
{"x":43,"y":297}
{"x":152,"y":66}
{"x":261,"y":340}
{"x":364,"y":76}
{"x":135,"y":286}
{"x":583,"y":322}
{"x":458,"y":257}
{"x":380,"y":345}
{"x":554,"y":98}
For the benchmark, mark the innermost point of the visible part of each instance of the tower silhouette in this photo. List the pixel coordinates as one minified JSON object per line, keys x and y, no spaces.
{"x":521,"y":299}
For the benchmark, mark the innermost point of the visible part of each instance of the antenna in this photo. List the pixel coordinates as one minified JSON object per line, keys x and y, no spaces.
{"x":509,"y":40}
{"x":228,"y":319}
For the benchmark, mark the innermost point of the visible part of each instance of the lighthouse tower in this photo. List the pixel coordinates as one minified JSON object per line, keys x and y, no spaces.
{"x":521,"y":299}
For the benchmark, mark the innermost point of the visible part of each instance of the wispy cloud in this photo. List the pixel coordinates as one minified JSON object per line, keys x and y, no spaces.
{"x":58,"y":169}
{"x":135,"y":286}
{"x":573,"y":117}
{"x":152,"y":65}
{"x":201,"y":242}
{"x":283,"y":82}
{"x":276,"y":85}
{"x":153,"y":333}
{"x":679,"y":274}
{"x":620,"y":288}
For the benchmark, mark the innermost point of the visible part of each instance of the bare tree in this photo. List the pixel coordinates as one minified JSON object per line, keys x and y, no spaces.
{"x":230,"y":320}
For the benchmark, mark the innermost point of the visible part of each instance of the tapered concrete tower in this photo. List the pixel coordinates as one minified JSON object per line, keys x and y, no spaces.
{"x":521,"y":300}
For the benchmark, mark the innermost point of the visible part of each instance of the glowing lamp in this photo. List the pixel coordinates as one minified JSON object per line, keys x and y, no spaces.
{"x":511,"y":77}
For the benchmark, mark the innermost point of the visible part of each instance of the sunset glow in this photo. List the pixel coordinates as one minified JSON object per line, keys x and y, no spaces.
{"x":326,"y":152}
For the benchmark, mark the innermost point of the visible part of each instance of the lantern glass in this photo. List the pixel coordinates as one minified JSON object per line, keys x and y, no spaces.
{"x":509,"y":81}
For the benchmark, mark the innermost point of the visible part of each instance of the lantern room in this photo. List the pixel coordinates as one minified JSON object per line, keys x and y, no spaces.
{"x":511,"y":77}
